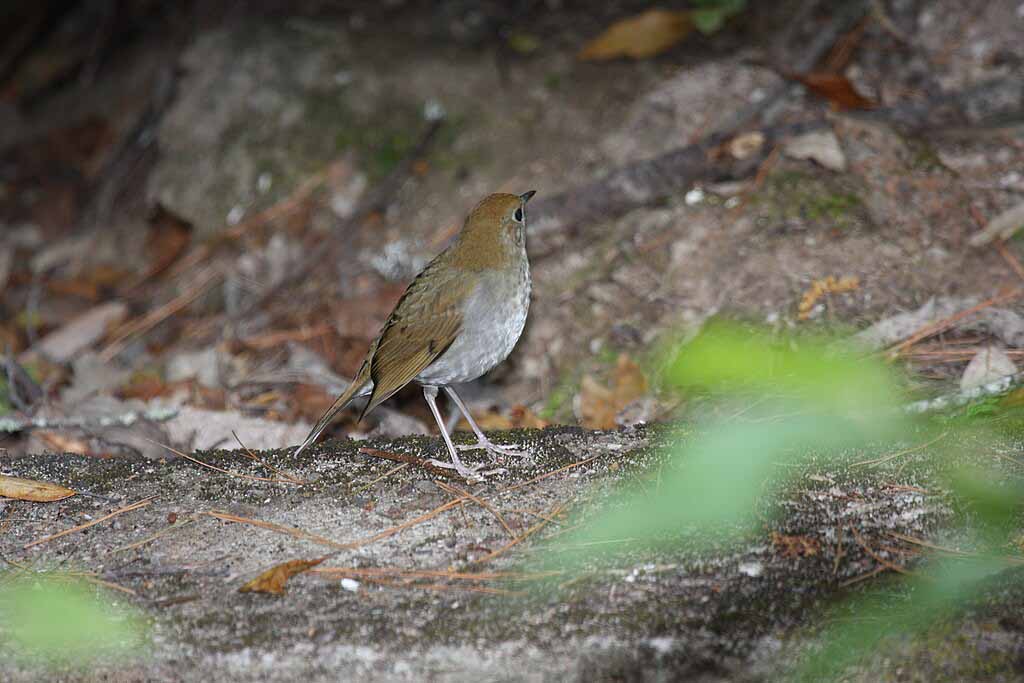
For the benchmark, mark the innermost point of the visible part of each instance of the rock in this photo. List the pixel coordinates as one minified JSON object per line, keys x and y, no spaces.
{"x":819,"y":146}
{"x":988,"y":365}
{"x":205,"y":429}
{"x":203,"y":365}
{"x":258,"y":112}
{"x":1002,"y":227}
{"x":82,"y":332}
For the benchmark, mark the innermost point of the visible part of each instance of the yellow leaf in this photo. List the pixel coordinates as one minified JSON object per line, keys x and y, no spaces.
{"x":640,"y":36}
{"x":35,"y":491}
{"x":274,"y":579}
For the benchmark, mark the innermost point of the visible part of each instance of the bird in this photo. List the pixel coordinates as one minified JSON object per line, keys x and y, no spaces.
{"x":459,"y":317}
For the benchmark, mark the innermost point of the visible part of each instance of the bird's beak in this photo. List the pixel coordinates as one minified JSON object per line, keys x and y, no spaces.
{"x":527,"y":195}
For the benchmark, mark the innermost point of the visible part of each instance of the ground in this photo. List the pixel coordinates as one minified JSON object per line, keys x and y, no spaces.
{"x":171,"y":194}
{"x":638,"y":614}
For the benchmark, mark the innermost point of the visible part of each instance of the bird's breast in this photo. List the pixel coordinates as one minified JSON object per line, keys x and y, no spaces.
{"x":492,"y":321}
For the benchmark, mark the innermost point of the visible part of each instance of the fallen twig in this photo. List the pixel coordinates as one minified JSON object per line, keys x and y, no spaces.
{"x":422,"y":463}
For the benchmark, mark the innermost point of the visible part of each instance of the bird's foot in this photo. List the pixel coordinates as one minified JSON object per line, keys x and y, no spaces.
{"x":470,"y":472}
{"x":497,"y":452}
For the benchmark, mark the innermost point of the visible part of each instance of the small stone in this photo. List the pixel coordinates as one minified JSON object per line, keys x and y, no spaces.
{"x":350,"y":585}
{"x":751,"y":569}
{"x":819,"y":146}
{"x":988,"y":365}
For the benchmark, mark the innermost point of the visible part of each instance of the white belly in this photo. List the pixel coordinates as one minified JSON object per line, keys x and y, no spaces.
{"x":492,"y":324}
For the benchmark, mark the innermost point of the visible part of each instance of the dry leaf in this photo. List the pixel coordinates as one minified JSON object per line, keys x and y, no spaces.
{"x":597,"y":406}
{"x":274,"y":579}
{"x":819,"y":288}
{"x":64,"y":443}
{"x":795,"y":546}
{"x":835,"y":88}
{"x":519,"y":417}
{"x":640,"y":36}
{"x":630,"y":383}
{"x":34,"y":491}
{"x":746,"y":145}
{"x":169,"y":236}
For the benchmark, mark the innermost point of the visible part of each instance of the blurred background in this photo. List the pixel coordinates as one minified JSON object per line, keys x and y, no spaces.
{"x":211,"y":207}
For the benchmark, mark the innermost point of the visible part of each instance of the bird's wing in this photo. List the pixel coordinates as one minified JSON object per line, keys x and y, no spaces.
{"x":425,"y":322}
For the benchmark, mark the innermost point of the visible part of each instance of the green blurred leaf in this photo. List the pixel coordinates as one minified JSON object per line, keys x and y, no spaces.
{"x":878,"y":615}
{"x":713,"y":482}
{"x":728,"y":358}
{"x":710,"y":16}
{"x":63,"y":621}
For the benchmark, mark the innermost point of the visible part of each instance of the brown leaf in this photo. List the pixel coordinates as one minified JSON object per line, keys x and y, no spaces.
{"x":640,"y":36}
{"x":64,"y":443}
{"x":169,"y":236}
{"x":274,"y":579}
{"x":519,"y":417}
{"x":34,"y":491}
{"x":835,"y":88}
{"x":795,"y":546}
{"x":597,"y":406}
{"x":630,"y":383}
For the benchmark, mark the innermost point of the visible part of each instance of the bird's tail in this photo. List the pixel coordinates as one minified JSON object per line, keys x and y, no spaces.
{"x":353,"y":390}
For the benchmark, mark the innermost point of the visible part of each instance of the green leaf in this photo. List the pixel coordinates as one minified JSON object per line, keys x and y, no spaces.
{"x":58,"y":621}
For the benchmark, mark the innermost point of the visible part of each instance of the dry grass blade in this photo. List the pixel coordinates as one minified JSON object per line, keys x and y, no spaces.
{"x":278,"y":528}
{"x":519,"y":539}
{"x":444,"y":587}
{"x":434,"y":573}
{"x":252,"y":456}
{"x":158,"y":315}
{"x":162,"y":532}
{"x":393,"y":470}
{"x":948,"y":322}
{"x":907,"y":451}
{"x":120,"y":511}
{"x":878,"y":558}
{"x":552,"y":473}
{"x":197,"y":461}
{"x":456,"y":491}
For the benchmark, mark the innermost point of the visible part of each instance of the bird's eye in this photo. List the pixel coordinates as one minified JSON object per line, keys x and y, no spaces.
{"x":518,"y":215}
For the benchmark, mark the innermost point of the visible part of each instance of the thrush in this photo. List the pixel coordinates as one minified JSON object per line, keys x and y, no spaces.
{"x":459,"y":318}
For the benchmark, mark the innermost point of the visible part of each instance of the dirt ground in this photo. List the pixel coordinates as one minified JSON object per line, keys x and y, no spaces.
{"x":168,"y":173}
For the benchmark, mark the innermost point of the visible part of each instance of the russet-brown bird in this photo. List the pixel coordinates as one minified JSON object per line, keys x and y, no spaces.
{"x":460,"y":317}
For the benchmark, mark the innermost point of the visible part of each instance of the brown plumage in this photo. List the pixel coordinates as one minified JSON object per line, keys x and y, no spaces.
{"x":458,"y":318}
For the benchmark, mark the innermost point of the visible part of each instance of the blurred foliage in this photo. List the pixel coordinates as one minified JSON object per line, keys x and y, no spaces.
{"x":806,"y":399}
{"x":58,"y":621}
{"x":710,"y":16}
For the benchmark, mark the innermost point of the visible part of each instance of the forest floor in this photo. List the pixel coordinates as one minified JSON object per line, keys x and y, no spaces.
{"x":206,"y":215}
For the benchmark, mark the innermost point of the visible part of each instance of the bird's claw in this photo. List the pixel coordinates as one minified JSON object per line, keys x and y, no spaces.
{"x":470,"y":472}
{"x":497,"y":452}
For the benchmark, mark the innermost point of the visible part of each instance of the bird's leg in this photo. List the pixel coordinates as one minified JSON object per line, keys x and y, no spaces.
{"x":481,"y":439}
{"x":430,"y":394}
